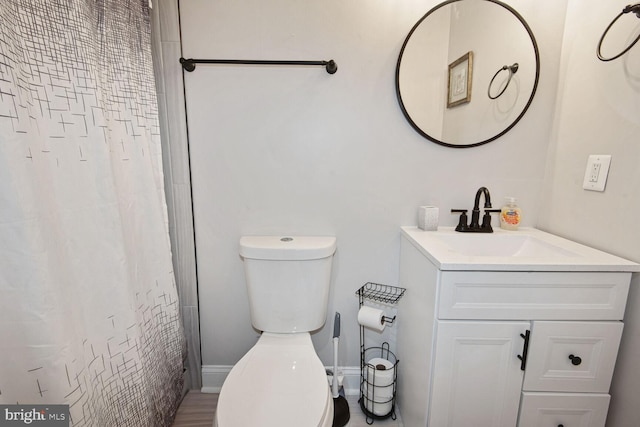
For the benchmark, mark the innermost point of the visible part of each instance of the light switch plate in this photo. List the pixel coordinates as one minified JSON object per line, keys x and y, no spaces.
{"x":595,"y":177}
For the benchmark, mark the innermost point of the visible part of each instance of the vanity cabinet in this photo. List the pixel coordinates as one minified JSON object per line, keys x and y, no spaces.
{"x":498,"y":348}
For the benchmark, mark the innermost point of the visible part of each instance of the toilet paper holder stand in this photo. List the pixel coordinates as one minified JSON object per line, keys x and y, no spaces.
{"x":377,"y":401}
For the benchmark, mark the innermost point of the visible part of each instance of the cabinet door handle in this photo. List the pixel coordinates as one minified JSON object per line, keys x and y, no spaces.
{"x":575,"y":360}
{"x":525,"y":349}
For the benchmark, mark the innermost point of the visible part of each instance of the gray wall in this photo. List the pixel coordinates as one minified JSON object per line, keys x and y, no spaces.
{"x":173,"y":130}
{"x":297,"y":151}
{"x":598,"y":112}
{"x":290,"y":150}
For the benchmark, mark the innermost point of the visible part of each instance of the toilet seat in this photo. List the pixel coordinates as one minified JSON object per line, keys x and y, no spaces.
{"x":279,"y":382}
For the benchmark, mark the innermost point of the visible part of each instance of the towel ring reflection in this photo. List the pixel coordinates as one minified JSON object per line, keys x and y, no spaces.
{"x":630,"y":8}
{"x":512,"y":70}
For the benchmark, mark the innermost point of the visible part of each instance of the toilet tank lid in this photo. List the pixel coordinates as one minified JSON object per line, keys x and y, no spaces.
{"x":282,"y":248}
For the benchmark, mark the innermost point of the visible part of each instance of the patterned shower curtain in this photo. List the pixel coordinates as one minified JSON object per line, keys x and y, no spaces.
{"x":88,"y":303}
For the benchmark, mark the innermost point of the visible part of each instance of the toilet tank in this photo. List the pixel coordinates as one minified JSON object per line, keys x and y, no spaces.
{"x":288,"y":281}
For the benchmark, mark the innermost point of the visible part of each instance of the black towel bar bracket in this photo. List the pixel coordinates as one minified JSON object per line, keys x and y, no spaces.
{"x":190,"y":64}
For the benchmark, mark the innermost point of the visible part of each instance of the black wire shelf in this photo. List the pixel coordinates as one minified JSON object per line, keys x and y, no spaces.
{"x":384,"y":294}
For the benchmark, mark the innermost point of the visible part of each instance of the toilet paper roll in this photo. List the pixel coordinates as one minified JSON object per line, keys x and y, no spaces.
{"x":380,"y":373}
{"x":378,"y":386}
{"x":376,"y":404}
{"x":371,"y":318}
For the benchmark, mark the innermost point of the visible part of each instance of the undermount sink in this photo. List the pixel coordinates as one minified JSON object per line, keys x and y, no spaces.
{"x":527,"y":249}
{"x":501,"y":245}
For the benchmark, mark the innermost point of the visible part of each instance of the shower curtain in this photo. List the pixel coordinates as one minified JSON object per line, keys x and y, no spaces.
{"x":89,"y":314}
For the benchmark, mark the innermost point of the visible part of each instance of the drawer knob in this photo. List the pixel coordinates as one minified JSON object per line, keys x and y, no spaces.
{"x":575,"y":360}
{"x":560,"y":425}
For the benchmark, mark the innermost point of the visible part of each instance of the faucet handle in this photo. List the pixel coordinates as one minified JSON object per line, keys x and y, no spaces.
{"x":486,"y":219}
{"x":462,"y":222}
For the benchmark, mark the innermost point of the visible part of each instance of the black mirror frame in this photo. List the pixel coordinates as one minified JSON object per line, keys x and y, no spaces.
{"x":508,"y":128}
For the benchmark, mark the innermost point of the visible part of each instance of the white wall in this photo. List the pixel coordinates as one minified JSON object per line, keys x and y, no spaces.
{"x":598,"y":112}
{"x":298,"y":151}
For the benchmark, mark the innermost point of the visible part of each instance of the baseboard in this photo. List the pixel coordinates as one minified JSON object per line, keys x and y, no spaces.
{"x":186,"y":385}
{"x":213,"y":377}
{"x":351,"y":382}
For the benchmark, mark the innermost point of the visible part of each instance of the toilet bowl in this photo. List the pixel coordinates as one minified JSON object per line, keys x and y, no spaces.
{"x":279,"y":382}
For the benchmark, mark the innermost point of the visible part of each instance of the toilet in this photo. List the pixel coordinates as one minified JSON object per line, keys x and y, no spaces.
{"x":281,"y":380}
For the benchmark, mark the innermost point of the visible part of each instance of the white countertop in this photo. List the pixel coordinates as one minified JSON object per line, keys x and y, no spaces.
{"x":527,"y":249}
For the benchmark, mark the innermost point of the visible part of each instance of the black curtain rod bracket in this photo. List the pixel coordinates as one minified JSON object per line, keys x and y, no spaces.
{"x":190,"y":64}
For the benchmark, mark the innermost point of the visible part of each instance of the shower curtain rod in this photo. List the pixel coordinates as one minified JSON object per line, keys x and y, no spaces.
{"x":190,"y":64}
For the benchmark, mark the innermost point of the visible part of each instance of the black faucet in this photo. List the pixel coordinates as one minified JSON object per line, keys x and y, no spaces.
{"x":474,"y":226}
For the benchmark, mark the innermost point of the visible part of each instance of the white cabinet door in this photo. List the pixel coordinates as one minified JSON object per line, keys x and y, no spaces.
{"x":477,"y":376}
{"x":572,"y":356}
{"x":563,"y":409}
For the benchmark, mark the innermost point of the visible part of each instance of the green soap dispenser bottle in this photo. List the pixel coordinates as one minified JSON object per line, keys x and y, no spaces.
{"x":510,"y":215}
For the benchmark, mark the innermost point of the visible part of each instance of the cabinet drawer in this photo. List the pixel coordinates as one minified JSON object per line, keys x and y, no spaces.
{"x":566,"y":409}
{"x":533,"y":295}
{"x":572,"y":356}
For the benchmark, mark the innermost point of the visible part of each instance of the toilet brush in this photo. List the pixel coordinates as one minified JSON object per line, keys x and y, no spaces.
{"x":341,"y":413}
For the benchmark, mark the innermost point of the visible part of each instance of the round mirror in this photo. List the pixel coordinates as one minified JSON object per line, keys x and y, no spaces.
{"x":467,"y":72}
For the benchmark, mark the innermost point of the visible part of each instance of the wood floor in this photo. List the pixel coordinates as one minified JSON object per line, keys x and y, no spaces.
{"x":197,"y":410}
